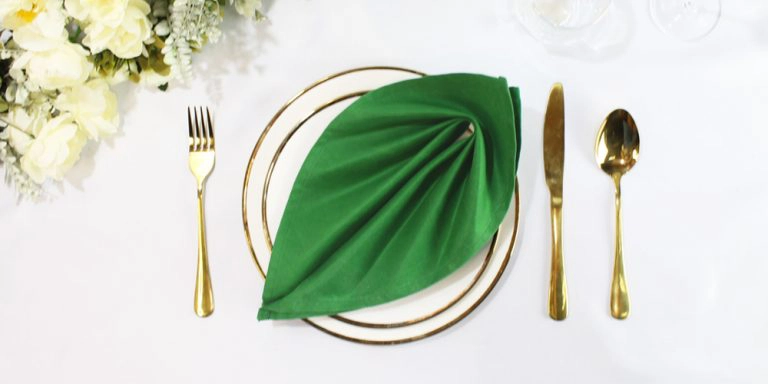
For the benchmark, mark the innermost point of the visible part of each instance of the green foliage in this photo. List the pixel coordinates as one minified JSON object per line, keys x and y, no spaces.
{"x":180,"y":27}
{"x":193,"y":23}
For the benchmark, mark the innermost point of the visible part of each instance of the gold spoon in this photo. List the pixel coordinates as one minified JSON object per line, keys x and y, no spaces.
{"x":616,"y":151}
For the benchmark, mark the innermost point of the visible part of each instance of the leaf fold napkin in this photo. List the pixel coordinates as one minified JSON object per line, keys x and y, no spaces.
{"x":403,"y":187}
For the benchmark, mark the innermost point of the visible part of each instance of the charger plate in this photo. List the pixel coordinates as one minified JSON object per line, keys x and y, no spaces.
{"x":271,"y":171}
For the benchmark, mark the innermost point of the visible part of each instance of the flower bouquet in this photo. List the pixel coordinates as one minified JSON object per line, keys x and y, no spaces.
{"x":59,"y":59}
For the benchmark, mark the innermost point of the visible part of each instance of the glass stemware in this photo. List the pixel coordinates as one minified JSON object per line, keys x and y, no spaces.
{"x":560,"y":21}
{"x":685,"y":19}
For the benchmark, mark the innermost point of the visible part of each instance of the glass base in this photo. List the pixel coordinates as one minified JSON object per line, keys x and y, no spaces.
{"x":560,"y":21}
{"x":685,"y":19}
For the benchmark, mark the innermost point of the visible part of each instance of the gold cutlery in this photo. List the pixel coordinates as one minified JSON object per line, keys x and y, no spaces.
{"x":554,"y":156}
{"x":202,"y":157}
{"x":616,"y":151}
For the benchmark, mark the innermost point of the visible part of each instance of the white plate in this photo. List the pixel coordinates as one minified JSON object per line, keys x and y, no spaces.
{"x":272,"y":169}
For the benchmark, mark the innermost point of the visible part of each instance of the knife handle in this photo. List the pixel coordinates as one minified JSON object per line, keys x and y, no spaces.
{"x":558,"y":293}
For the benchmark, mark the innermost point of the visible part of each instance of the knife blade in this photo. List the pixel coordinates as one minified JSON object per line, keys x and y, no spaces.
{"x":554,"y":158}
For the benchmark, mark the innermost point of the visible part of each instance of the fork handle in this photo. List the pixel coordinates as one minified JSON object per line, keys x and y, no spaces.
{"x":203,"y":289}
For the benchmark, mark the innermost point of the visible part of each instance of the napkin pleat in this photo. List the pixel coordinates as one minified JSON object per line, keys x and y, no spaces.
{"x":394,"y":196}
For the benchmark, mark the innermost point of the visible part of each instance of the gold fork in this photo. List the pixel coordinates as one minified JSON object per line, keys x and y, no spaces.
{"x":202,"y":157}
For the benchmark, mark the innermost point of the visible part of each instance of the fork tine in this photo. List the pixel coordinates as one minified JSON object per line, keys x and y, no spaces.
{"x":211,"y":141}
{"x":191,"y":131}
{"x":203,"y":131}
{"x":200,"y":138}
{"x":204,"y":128}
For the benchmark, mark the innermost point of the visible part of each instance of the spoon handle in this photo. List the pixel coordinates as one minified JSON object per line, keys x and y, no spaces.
{"x":558,"y":294}
{"x":619,"y":294}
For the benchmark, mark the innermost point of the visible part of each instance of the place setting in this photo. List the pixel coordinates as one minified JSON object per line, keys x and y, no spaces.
{"x":381,"y":208}
{"x":233,"y":191}
{"x":380,"y":204}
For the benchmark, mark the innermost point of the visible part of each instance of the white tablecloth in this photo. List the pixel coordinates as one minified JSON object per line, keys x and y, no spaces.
{"x":96,"y":286}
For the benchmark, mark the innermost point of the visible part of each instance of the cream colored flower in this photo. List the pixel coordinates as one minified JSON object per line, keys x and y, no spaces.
{"x":93,"y":106}
{"x":44,"y":32}
{"x":124,"y":38}
{"x":17,"y":13}
{"x":108,"y":12}
{"x":22,"y":128}
{"x":63,"y":65}
{"x":49,"y":59}
{"x":55,"y":149}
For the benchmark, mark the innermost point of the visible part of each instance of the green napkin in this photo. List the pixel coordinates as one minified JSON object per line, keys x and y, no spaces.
{"x":395,"y":196}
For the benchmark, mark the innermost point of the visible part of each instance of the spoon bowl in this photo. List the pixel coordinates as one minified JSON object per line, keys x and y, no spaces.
{"x":616,"y":151}
{"x":618,"y":143}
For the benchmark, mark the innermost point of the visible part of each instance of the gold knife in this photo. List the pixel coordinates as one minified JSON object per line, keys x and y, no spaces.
{"x":554,"y":156}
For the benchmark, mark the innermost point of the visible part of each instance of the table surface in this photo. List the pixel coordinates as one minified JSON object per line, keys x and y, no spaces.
{"x":96,"y":285}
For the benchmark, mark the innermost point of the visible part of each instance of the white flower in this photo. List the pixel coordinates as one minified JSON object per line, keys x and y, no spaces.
{"x":108,"y":12}
{"x":55,"y":149}
{"x":49,"y":59}
{"x":44,"y":31}
{"x":17,"y":13}
{"x":21,"y":129}
{"x":163,"y":28}
{"x":93,"y":106}
{"x":123,"y":35}
{"x":63,"y":65}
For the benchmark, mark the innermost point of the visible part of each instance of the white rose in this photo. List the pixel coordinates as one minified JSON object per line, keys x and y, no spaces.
{"x":126,"y":38}
{"x":49,"y":59}
{"x":22,"y":128}
{"x":63,"y":65}
{"x":17,"y":13}
{"x":93,"y":106}
{"x":108,"y":12}
{"x":55,"y":149}
{"x":45,"y":31}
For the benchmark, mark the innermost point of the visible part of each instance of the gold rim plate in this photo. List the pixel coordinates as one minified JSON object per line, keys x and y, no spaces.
{"x":345,"y":327}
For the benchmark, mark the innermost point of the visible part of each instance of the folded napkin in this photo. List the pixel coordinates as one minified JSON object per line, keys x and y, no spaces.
{"x":395,"y":195}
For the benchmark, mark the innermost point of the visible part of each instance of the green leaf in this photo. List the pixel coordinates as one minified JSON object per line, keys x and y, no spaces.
{"x":395,"y":196}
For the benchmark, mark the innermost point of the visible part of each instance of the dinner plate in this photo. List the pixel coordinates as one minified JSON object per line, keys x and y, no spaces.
{"x":271,"y":171}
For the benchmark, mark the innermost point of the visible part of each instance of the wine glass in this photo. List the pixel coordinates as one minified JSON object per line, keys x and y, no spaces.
{"x":560,"y":22}
{"x":685,"y":19}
